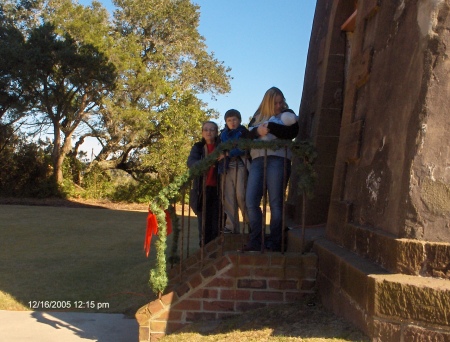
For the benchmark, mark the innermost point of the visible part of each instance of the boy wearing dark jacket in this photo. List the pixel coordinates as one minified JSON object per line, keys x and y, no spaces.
{"x":234,"y":172}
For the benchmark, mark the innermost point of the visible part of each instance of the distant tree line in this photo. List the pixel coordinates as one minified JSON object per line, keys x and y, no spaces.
{"x":131,"y":81}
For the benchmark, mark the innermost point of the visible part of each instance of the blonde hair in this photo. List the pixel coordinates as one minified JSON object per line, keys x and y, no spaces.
{"x":267,"y":106}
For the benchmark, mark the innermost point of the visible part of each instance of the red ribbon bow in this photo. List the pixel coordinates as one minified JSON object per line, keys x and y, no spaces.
{"x":152,"y":229}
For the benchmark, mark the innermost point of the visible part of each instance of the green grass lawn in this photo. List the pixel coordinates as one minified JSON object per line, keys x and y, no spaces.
{"x":75,"y":255}
{"x":80,"y":255}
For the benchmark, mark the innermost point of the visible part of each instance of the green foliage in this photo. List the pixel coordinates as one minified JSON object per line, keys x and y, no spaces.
{"x":133,"y":191}
{"x":13,"y":100}
{"x":163,"y":66}
{"x":68,"y":79}
{"x":131,"y":82}
{"x":97,"y":183}
{"x":24,"y":168}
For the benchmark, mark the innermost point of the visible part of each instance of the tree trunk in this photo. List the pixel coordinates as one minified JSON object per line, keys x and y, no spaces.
{"x":59,"y":153}
{"x":56,"y":154}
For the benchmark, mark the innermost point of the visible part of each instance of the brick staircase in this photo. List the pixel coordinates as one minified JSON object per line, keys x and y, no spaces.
{"x":404,"y":296}
{"x":227,"y":283}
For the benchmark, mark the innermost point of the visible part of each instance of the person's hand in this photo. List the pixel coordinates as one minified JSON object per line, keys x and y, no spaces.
{"x":262,"y":130}
{"x":221,"y":156}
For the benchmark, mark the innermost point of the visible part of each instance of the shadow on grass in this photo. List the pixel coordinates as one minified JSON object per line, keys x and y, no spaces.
{"x":71,"y":203}
{"x":75,"y":254}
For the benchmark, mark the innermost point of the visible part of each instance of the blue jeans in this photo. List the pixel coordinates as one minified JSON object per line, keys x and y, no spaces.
{"x":276,"y":190}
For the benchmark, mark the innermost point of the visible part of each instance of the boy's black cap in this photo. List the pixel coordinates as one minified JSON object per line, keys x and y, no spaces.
{"x":233,"y":112}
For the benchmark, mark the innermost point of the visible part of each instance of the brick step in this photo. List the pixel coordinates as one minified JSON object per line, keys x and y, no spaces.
{"x":235,"y":282}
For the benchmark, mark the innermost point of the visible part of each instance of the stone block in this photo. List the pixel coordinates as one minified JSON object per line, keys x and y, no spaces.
{"x":335,"y":68}
{"x":344,"y":306}
{"x":331,"y":117}
{"x":413,"y":298}
{"x":326,"y":148}
{"x":410,"y":256}
{"x":351,"y":140}
{"x":437,"y":262}
{"x":328,"y":261}
{"x":386,"y":331}
{"x":423,"y":334}
{"x":354,"y":282}
{"x":383,"y":250}
{"x":368,"y":8}
{"x":338,"y":216}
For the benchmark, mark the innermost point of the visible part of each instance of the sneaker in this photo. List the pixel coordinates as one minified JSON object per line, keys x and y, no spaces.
{"x":227,"y":231}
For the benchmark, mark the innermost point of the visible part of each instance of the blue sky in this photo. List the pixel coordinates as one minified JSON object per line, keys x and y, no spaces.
{"x":264,"y":42}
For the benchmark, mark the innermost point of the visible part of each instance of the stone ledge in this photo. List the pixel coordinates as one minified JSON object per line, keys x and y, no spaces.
{"x":412,"y":298}
{"x":406,"y":256}
{"x":382,"y":304}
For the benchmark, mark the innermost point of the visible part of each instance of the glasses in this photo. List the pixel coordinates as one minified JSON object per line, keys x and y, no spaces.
{"x":209,"y":129}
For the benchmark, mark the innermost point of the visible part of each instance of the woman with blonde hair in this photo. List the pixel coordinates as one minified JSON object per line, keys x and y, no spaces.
{"x":273,"y":104}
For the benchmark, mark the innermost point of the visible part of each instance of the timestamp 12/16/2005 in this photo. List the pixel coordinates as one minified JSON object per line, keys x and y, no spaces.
{"x":67,"y":304}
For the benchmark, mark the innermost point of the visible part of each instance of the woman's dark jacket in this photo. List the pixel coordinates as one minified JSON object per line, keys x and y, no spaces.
{"x":197,"y":154}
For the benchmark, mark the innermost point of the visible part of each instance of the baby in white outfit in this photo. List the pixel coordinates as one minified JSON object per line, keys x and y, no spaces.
{"x":285,"y":118}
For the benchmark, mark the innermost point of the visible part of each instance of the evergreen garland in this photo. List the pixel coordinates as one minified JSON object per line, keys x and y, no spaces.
{"x":303,"y":150}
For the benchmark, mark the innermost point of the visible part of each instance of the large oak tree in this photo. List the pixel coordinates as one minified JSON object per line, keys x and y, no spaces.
{"x":132,"y":81}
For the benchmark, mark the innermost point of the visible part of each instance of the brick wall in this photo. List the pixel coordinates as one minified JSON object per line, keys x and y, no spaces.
{"x":227,"y":285}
